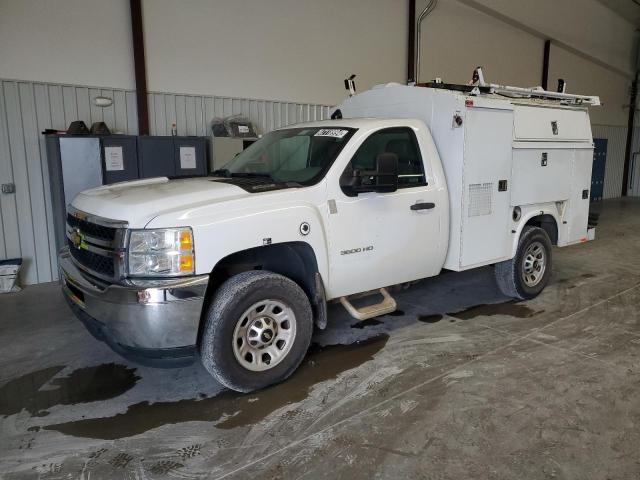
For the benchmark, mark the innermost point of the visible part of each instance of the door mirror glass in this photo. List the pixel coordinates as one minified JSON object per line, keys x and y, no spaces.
{"x":383,"y":179}
{"x":369,"y":159}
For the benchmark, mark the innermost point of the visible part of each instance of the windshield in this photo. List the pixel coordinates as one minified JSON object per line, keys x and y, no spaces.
{"x":298,"y":155}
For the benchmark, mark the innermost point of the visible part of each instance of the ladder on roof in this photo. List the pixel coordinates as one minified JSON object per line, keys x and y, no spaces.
{"x":535,"y":92}
{"x":539,"y":92}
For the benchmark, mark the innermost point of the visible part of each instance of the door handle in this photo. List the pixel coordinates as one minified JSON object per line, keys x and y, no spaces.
{"x":423,"y":206}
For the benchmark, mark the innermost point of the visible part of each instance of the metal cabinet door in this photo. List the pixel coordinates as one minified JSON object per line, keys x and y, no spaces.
{"x":190,"y":156}
{"x":81,"y":166}
{"x":155,"y":157}
{"x":597,"y":174}
{"x":119,"y":158}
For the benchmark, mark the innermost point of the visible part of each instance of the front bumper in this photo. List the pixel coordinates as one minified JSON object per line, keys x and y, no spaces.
{"x":152,"y":322}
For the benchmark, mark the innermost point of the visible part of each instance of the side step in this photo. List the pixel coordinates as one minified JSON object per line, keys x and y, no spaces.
{"x":387,"y":305}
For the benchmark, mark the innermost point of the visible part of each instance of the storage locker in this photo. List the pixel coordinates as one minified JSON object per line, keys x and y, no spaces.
{"x":119,"y":158}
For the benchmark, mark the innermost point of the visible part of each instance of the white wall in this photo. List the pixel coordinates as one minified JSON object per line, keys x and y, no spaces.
{"x":585,"y":25}
{"x":278,"y":49}
{"x":80,"y":42}
{"x":456,"y":38}
{"x":583,"y":76}
{"x":461,"y":34}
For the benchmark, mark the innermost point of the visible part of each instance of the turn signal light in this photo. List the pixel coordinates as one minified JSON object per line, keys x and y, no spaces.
{"x":186,"y":240}
{"x":186,"y":263}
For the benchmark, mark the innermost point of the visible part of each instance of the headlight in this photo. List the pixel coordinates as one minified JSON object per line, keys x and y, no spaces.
{"x":167,"y":252}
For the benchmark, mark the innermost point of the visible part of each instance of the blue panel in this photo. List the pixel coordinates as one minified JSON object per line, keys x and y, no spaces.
{"x":597,"y":174}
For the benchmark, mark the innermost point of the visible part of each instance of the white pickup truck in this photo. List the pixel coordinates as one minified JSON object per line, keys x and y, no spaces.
{"x":237,"y":268}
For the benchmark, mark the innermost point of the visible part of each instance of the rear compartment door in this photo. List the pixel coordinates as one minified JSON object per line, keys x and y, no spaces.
{"x":486,"y":233}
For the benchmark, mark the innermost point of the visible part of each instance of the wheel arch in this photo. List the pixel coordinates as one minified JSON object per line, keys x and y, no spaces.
{"x":295,"y":260}
{"x":545,"y":219}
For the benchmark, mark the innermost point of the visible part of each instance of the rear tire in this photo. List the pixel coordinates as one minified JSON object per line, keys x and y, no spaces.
{"x":257,"y":330}
{"x":526,"y":274}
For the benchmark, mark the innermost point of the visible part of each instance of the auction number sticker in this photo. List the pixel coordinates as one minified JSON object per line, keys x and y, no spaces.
{"x":331,"y":132}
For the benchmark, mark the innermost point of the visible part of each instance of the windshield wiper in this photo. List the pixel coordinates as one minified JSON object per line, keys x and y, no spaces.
{"x":224,"y":172}
{"x":253,"y":175}
{"x":221,"y":172}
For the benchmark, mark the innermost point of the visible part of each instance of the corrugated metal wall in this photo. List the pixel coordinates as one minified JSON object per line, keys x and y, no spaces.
{"x":193,"y":113}
{"x":27,"y":108}
{"x":617,"y":137}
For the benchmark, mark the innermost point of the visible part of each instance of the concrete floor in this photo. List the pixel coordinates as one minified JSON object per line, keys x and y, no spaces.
{"x":548,"y":388}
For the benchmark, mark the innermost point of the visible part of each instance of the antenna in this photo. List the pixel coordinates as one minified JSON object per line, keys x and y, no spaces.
{"x":478,"y":77}
{"x":350,"y":84}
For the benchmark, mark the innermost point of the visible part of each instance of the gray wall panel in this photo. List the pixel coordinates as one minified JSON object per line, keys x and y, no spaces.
{"x":27,"y":108}
{"x":34,"y":178}
{"x":43,"y":113}
{"x":132,"y":113}
{"x":119,"y":112}
{"x":18,"y":158}
{"x":8,"y":205}
{"x":95,"y":113}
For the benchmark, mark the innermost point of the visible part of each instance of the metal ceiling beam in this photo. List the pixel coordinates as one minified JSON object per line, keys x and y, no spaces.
{"x":140,"y":67}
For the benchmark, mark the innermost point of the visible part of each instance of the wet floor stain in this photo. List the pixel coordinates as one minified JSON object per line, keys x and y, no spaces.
{"x":370,"y":322}
{"x":396,"y":313}
{"x":512,"y":309}
{"x":37,"y":391}
{"x":230,"y":409}
{"x":430,"y":318}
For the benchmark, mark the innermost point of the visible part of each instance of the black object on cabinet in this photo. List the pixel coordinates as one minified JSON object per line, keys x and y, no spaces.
{"x":172,"y":156}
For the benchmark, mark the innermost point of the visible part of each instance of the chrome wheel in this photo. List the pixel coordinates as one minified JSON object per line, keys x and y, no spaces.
{"x":534,"y":264}
{"x":264,"y":335}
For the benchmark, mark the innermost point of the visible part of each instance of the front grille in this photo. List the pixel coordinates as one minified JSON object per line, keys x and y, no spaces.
{"x":92,"y":229}
{"x":97,"y":263}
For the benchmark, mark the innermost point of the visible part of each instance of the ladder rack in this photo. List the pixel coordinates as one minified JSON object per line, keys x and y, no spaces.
{"x":516,"y":92}
{"x":539,"y":92}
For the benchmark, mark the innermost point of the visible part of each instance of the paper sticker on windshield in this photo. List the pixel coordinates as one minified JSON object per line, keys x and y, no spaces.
{"x":331,"y":132}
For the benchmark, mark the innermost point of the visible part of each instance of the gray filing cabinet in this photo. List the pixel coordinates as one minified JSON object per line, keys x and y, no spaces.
{"x":172,"y":156}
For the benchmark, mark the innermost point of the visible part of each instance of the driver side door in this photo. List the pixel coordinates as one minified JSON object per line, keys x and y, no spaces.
{"x":380,"y":239}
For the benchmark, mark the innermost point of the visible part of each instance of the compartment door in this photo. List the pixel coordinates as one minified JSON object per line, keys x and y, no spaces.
{"x":578,"y":211}
{"x":486,"y":215}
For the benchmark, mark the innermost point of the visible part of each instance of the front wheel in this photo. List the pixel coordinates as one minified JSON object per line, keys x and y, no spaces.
{"x":257,"y":330}
{"x":526,"y":274}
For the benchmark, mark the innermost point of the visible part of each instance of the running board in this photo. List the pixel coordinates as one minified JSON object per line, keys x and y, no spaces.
{"x":387,"y":305}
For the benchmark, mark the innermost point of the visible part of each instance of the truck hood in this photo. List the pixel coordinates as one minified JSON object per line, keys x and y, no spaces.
{"x":139,"y":201}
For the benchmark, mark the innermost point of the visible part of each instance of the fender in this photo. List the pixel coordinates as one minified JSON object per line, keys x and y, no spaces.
{"x":530,"y":212}
{"x":295,"y":215}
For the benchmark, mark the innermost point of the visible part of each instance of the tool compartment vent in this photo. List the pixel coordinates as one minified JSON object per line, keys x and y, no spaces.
{"x":480,"y":199}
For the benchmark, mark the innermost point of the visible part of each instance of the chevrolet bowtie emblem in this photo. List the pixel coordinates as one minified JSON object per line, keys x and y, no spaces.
{"x":77,"y":238}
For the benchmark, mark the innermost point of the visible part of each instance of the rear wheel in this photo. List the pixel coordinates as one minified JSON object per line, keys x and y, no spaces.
{"x":257,"y":330}
{"x":526,"y":274}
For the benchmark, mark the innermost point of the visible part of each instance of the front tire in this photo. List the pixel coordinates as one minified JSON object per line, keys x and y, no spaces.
{"x":257,"y":330}
{"x":526,"y":274}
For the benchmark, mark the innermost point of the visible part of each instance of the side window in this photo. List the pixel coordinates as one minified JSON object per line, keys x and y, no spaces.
{"x":402,"y":142}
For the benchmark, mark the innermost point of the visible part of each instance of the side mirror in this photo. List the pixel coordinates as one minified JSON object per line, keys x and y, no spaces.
{"x":383,"y":179}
